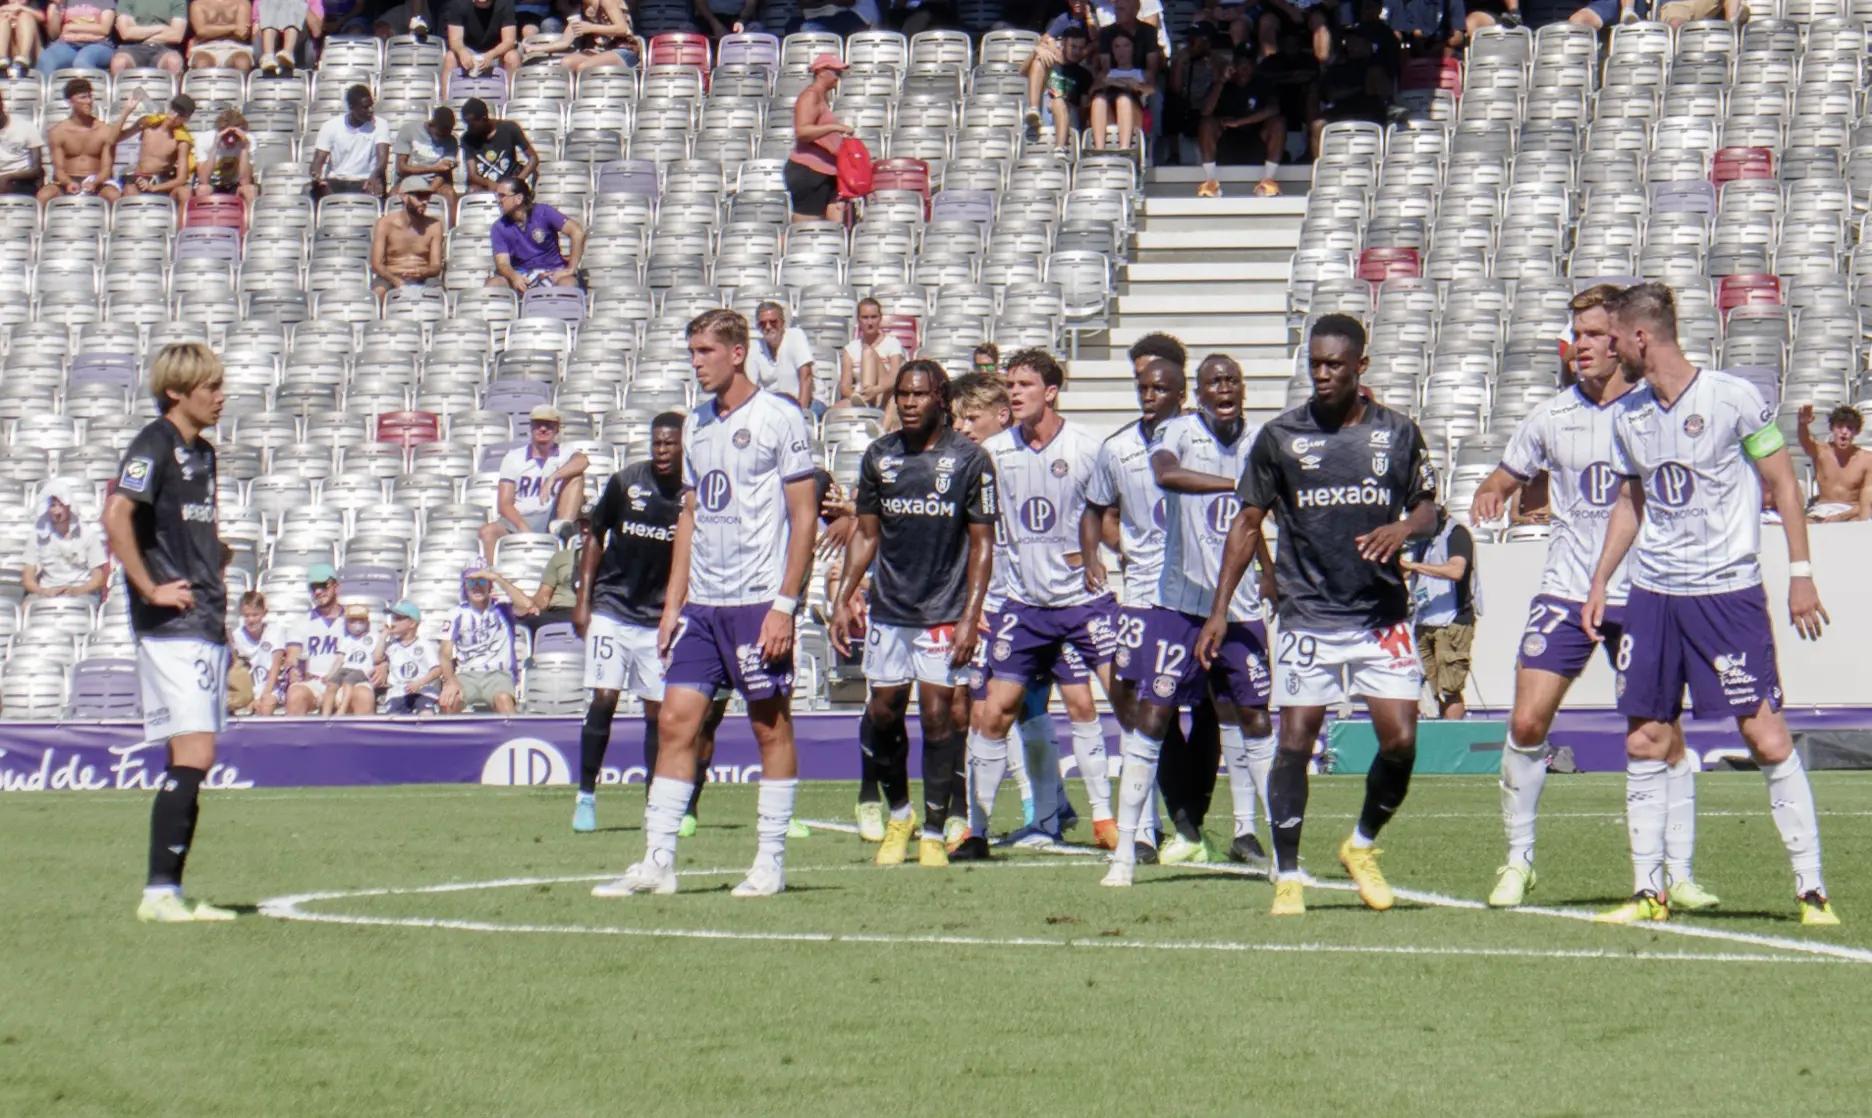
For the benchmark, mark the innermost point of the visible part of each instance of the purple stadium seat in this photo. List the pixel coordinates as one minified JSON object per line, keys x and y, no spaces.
{"x":106,"y":689}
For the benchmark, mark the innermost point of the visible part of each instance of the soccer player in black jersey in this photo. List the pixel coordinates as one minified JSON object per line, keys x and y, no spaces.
{"x":623,"y":574}
{"x":926,"y":511}
{"x":1350,"y":481}
{"x":160,"y":521}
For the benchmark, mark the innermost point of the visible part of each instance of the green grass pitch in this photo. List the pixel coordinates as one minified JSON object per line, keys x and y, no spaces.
{"x":1015,"y":988}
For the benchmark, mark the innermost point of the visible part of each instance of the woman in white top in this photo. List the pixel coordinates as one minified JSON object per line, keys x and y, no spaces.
{"x":1119,"y":89}
{"x":869,"y":362}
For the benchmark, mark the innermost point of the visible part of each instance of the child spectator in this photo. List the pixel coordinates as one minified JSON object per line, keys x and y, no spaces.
{"x":1068,"y":82}
{"x":409,"y":666}
{"x":348,"y":686}
{"x":259,"y":649}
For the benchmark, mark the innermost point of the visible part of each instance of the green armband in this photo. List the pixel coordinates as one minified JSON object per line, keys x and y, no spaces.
{"x":1764,"y":442}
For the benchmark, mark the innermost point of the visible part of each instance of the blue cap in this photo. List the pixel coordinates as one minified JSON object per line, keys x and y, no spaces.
{"x":321,"y":573}
{"x":407,"y":608}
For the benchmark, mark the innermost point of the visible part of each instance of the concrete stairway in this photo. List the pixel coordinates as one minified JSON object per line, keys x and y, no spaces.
{"x":1211,"y":271}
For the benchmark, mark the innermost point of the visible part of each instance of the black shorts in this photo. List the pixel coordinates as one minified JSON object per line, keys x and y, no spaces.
{"x":812,"y":192}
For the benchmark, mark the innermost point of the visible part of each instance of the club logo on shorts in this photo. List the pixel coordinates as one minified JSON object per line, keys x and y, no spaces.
{"x":715,"y":491}
{"x":1693,"y":425}
{"x":742,"y":438}
{"x":1037,"y":515}
{"x":1293,"y":685}
{"x":1533,"y":645}
{"x":1124,"y":657}
{"x":1163,"y":686}
{"x":1599,"y":484}
{"x":1059,"y":467}
{"x":1618,"y":686}
{"x":1673,"y":485}
{"x":1002,"y":650}
{"x":748,"y":658}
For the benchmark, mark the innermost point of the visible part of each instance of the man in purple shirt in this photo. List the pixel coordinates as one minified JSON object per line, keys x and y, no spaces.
{"x":526,"y":241}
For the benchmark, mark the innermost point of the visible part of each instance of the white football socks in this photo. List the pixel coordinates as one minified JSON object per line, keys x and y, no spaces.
{"x":1790,"y":801}
{"x":987,"y":763}
{"x":1088,"y":742}
{"x":1137,"y":787}
{"x":1248,"y":761}
{"x":1646,"y":786}
{"x":1523,"y":775}
{"x":663,"y":812}
{"x":773,"y":807}
{"x":1679,"y":820}
{"x":1017,"y":769}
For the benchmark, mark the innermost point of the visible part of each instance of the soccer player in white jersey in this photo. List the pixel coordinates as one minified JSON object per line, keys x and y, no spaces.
{"x":1198,"y":459}
{"x":540,"y":482}
{"x":1695,"y":448}
{"x":160,"y":521}
{"x":1350,"y":481}
{"x":1052,"y":618}
{"x":1569,"y":438}
{"x":744,"y":543}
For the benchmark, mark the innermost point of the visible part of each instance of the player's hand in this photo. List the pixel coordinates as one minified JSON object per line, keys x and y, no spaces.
{"x":840,"y":631}
{"x":1270,"y":590}
{"x":581,"y":618}
{"x":1094,"y":572}
{"x":776,"y":636}
{"x":836,"y":537}
{"x":1805,"y":610}
{"x":1592,"y":614}
{"x":1488,"y":507}
{"x":1381,"y":545}
{"x":967,"y":639}
{"x":174,"y":595}
{"x":666,"y":633}
{"x":1209,"y":641}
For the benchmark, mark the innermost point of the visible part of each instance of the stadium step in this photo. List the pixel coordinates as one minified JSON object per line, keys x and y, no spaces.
{"x":1236,"y":231}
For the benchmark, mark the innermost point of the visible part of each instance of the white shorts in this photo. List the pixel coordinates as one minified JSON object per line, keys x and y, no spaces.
{"x":184,"y":685}
{"x":1317,"y":669}
{"x":621,"y":656}
{"x":897,"y":654}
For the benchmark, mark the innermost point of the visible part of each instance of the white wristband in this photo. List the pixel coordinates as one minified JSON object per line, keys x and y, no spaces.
{"x":1801,"y":569}
{"x":784,"y":604}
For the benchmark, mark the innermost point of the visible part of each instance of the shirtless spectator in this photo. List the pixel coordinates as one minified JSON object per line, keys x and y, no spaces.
{"x":150,"y":34}
{"x":83,"y":148}
{"x":224,"y":161}
{"x":869,"y":362}
{"x":1841,"y":469}
{"x":22,"y":154}
{"x":166,"y":162}
{"x":79,"y":34}
{"x":352,"y":151}
{"x":429,"y":149}
{"x":406,"y":246}
{"x":223,"y":34}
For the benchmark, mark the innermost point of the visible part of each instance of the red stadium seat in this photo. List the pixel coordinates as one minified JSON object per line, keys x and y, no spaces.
{"x":1376,"y":265}
{"x":1747,"y":290}
{"x":905,"y":328}
{"x":1432,"y":73}
{"x":902,"y":173}
{"x":224,"y":210}
{"x":409,"y":427}
{"x":1742,"y":163}
{"x":680,"y":48}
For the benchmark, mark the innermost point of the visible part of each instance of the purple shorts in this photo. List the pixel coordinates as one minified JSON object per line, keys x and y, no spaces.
{"x":1130,"y":664}
{"x":1721,"y":645}
{"x":1069,"y":668}
{"x":1554,"y":641}
{"x":719,"y":646}
{"x":1175,"y":679}
{"x":1067,"y":641}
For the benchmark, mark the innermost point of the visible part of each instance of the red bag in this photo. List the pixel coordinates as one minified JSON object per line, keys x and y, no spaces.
{"x":854,"y":169}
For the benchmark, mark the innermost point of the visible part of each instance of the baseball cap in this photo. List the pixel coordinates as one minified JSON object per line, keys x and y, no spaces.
{"x":828,"y":61}
{"x":544,"y":413}
{"x":416,"y":184}
{"x":357,"y":611}
{"x":321,"y":573}
{"x":407,"y":608}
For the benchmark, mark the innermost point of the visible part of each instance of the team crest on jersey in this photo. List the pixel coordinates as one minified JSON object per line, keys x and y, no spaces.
{"x":1380,"y":463}
{"x":942,"y":483}
{"x":1002,"y":650}
{"x":1533,"y":645}
{"x":1059,"y":467}
{"x":539,"y":236}
{"x":1163,"y":686}
{"x":1693,"y":425}
{"x":742,"y":438}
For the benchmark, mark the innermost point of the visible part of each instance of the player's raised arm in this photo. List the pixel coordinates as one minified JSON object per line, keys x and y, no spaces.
{"x":1171,"y":475}
{"x":1805,"y":612}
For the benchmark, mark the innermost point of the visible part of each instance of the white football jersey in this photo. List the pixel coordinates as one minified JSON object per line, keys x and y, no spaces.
{"x":317,"y":638}
{"x":1197,"y":524}
{"x":738,"y":465}
{"x":1570,"y":438}
{"x":410,"y":662}
{"x":357,"y":653}
{"x":1043,"y":495}
{"x":1123,"y":478}
{"x":257,"y":651}
{"x":1702,"y":495}
{"x":483,"y":640}
{"x":528,"y":474}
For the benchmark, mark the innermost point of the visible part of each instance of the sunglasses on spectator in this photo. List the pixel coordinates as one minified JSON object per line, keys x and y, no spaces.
{"x":321,"y":585}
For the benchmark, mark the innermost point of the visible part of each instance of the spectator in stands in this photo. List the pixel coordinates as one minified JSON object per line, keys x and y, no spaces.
{"x":478,"y":662}
{"x":558,"y":589}
{"x":1125,"y":70}
{"x":1241,"y":123}
{"x":406,"y":245}
{"x":80,"y":35}
{"x":66,"y":557}
{"x":1679,"y":12}
{"x":781,"y":357}
{"x":166,"y":158}
{"x":20,"y":24}
{"x":409,"y":665}
{"x":1356,"y":85}
{"x":1842,"y":471}
{"x":482,"y":35}
{"x":352,"y":152}
{"x":1069,"y":84}
{"x":1506,"y":13}
{"x":282,"y":23}
{"x":812,"y":168}
{"x":495,"y":149}
{"x":224,"y":160}
{"x":1050,"y":52}
{"x":83,"y":148}
{"x":1602,"y":13}
{"x":838,"y":17}
{"x":348,"y":687}
{"x":428,"y":148}
{"x":716,"y":18}
{"x":526,"y":242}
{"x":258,"y":652}
{"x":410,"y":18}
{"x":542,"y":484}
{"x":598,"y":33}
{"x":1428,"y":28}
{"x":1280,"y":17}
{"x":223,"y":34}
{"x":312,"y":644}
{"x":150,"y":35}
{"x":1442,"y":580}
{"x":869,"y":362}
{"x":22,"y":154}
{"x":986,"y":359}
{"x":1200,"y":66}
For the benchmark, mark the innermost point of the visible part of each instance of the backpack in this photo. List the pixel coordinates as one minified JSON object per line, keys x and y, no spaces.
{"x":854,"y":169}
